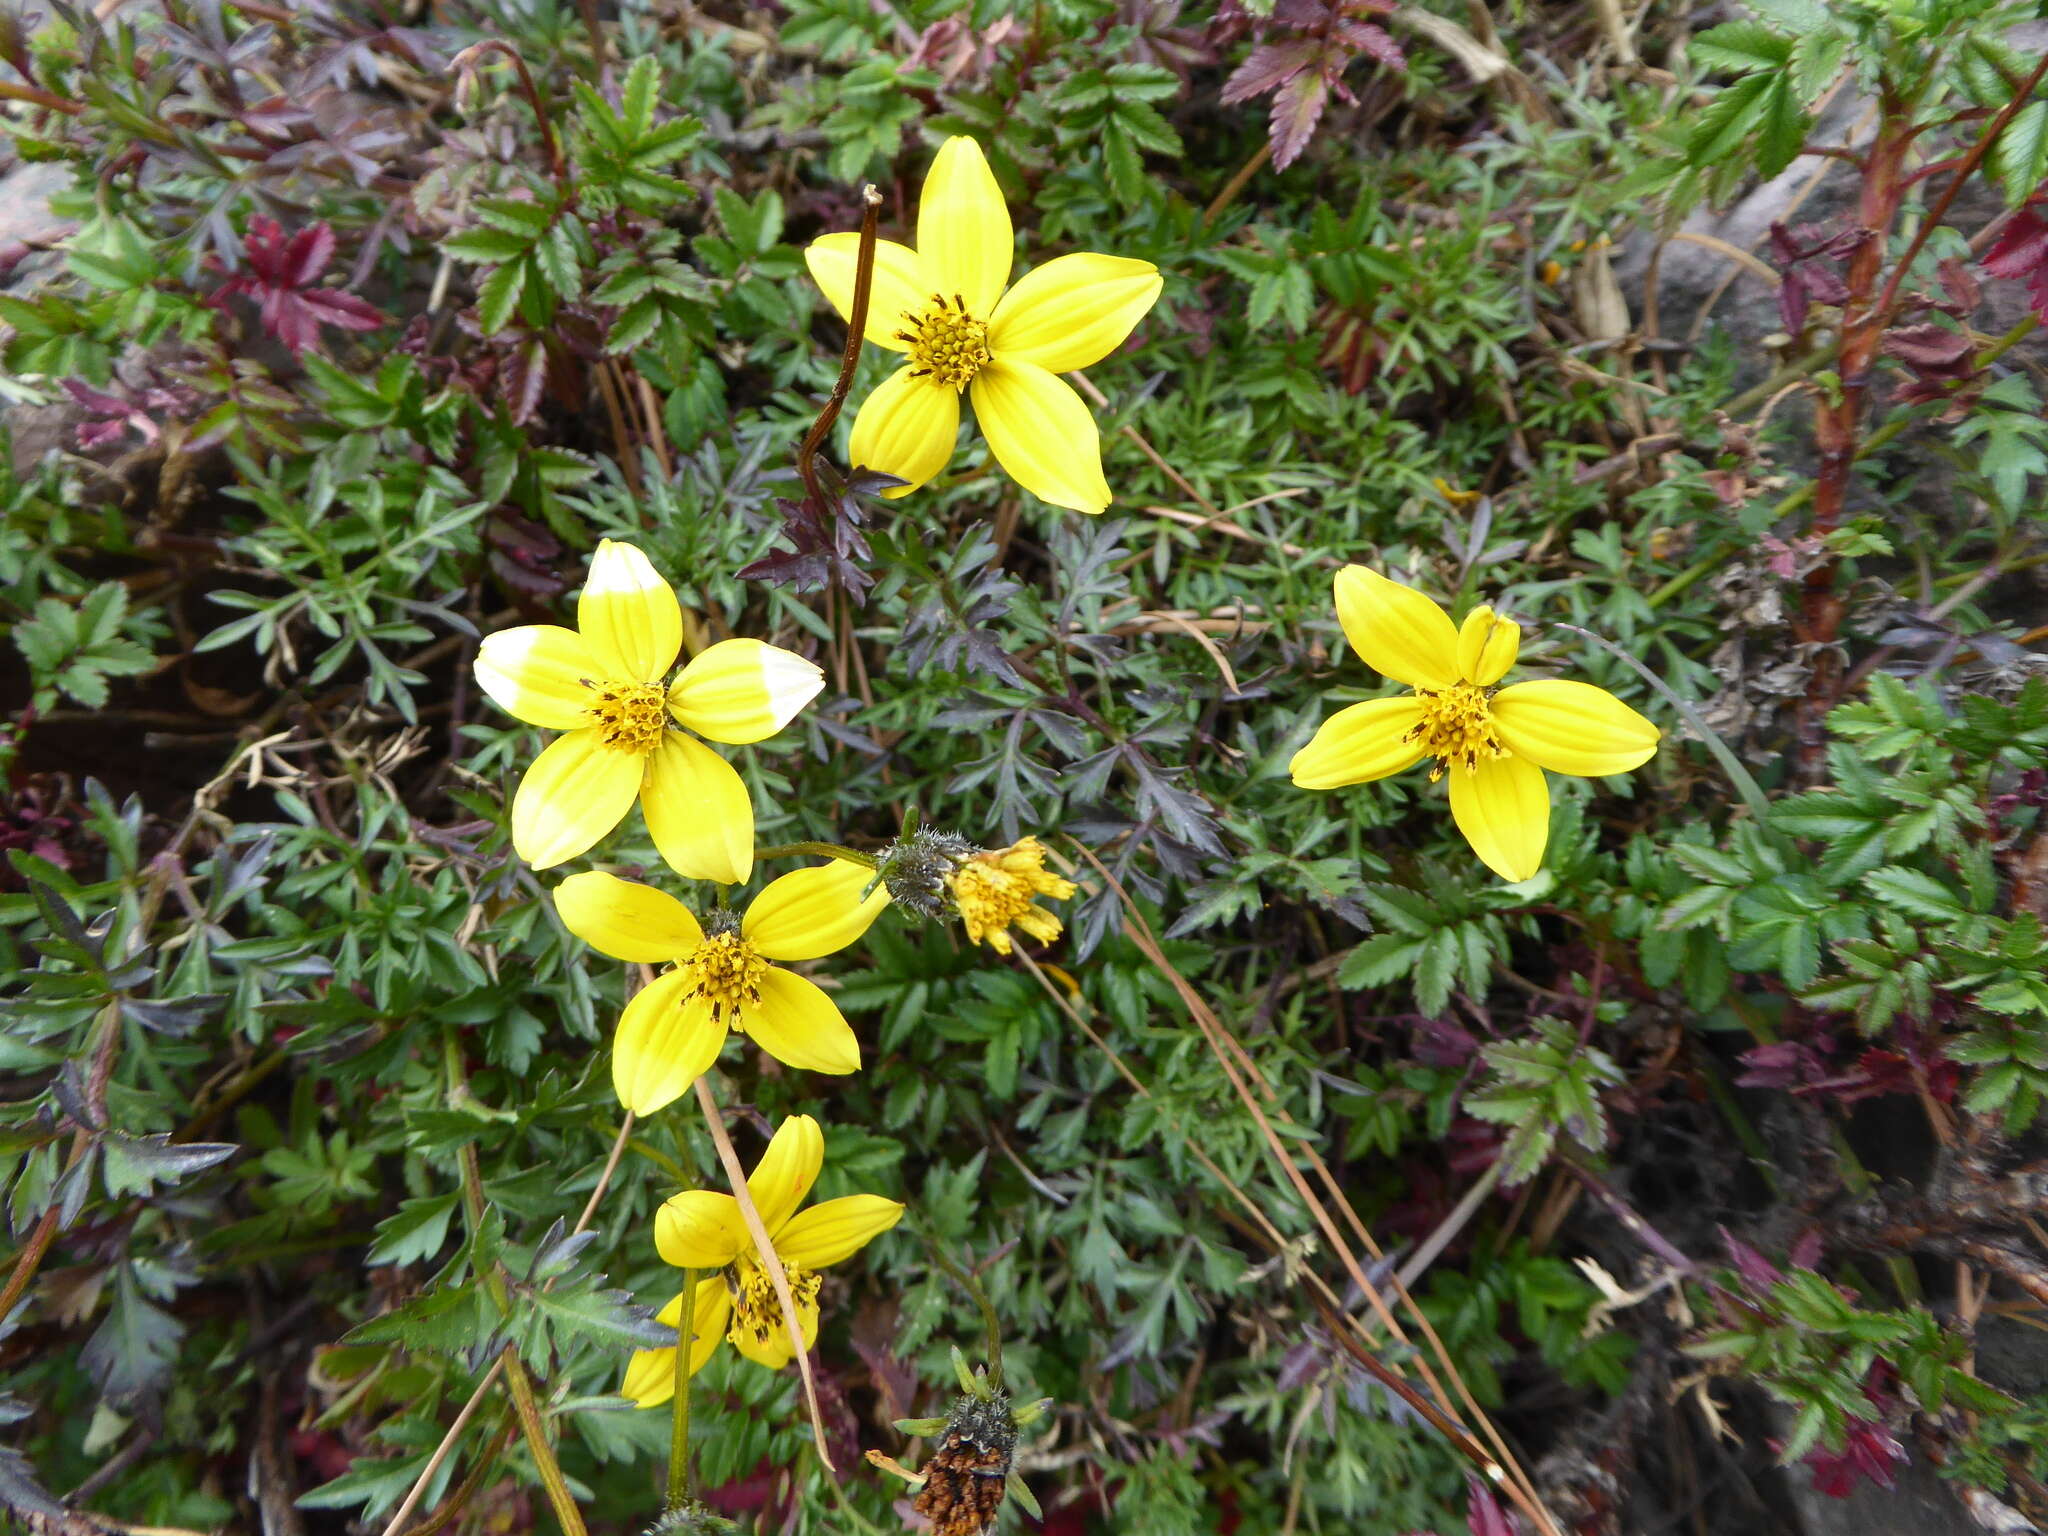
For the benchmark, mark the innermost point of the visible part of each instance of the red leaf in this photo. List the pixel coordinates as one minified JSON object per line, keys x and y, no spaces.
{"x":1269,"y":67}
{"x":1296,"y":110}
{"x":307,"y":255}
{"x":1484,"y":1515}
{"x":1928,"y":346}
{"x":1376,"y":42}
{"x":2022,"y":249}
{"x":346,"y":310}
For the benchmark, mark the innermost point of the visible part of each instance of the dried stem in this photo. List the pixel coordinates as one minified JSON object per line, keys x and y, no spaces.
{"x":849,"y":362}
{"x":764,"y":1250}
{"x":447,"y":1445}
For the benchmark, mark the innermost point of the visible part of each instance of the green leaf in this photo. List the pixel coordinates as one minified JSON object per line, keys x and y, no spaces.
{"x":2019,"y":156}
{"x":1729,"y":119}
{"x":1783,"y":129}
{"x":1741,"y":46}
{"x":500,"y":295}
{"x":417,"y":1232}
{"x":1911,"y":891}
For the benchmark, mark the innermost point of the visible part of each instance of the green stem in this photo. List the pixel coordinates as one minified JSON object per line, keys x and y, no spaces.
{"x":821,"y":850}
{"x":991,"y":1324}
{"x":679,"y":1434}
{"x":1739,"y":776}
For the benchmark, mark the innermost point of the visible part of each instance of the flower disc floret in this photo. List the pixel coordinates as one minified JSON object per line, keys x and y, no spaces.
{"x":1494,"y":745}
{"x":632,"y":716}
{"x":946,"y":343}
{"x":1456,"y":727}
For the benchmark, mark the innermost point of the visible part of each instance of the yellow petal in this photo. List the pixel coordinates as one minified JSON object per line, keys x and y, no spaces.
{"x":797,"y":1024}
{"x":1503,"y":808}
{"x":700,"y":1229}
{"x":539,"y":673}
{"x":1396,"y":630}
{"x":698,"y":812}
{"x":1359,"y":744}
{"x":651,"y":1374}
{"x":1073,"y":311}
{"x":742,"y":691}
{"x":830,"y":1231}
{"x":787,"y":1171}
{"x":625,"y":919}
{"x":1041,"y":432}
{"x":809,"y":913}
{"x":901,"y":285}
{"x":577,"y":790}
{"x":774,"y":1352}
{"x":629,"y":615}
{"x":665,"y":1042}
{"x":1487,"y":646}
{"x":906,"y":428}
{"x":963,"y":228}
{"x":1573,"y":728}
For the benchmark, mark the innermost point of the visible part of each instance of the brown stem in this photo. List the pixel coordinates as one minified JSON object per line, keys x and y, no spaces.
{"x":1956,"y":184}
{"x":9,"y":91}
{"x":1236,"y":184}
{"x":856,"y":333}
{"x":1837,"y":420}
{"x":557,"y":166}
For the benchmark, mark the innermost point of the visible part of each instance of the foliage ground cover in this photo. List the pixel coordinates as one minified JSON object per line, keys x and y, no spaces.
{"x":548,"y":786}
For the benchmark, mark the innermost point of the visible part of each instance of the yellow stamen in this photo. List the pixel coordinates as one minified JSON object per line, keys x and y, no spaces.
{"x":633,"y":716}
{"x":946,"y":343}
{"x":1456,"y":726}
{"x":726,"y":972}
{"x":756,"y":1312}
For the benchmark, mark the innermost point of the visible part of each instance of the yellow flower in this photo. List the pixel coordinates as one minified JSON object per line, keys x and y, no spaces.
{"x":1494,"y":745}
{"x":674,"y":1028}
{"x":605,"y":684}
{"x":944,"y":306}
{"x":994,"y":892}
{"x":702,"y":1230}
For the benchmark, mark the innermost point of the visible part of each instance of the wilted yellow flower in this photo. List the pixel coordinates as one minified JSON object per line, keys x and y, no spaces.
{"x":944,"y":306}
{"x":699,"y":1229}
{"x":674,"y":1028}
{"x":1494,"y":745}
{"x":995,"y":890}
{"x":605,"y":684}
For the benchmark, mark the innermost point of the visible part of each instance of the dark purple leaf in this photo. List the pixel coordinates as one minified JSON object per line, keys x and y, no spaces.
{"x":1269,"y":67}
{"x":1758,"y":1272}
{"x":1929,"y":346}
{"x":1374,"y":42}
{"x":1296,"y":110}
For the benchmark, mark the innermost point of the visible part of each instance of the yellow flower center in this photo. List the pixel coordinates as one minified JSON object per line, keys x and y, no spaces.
{"x":756,"y":1312}
{"x":726,"y":972}
{"x":1456,"y":726}
{"x":633,"y":716}
{"x":946,"y":343}
{"x":994,"y":892}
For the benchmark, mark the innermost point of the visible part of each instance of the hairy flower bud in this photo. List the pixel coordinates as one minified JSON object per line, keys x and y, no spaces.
{"x":918,"y":870}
